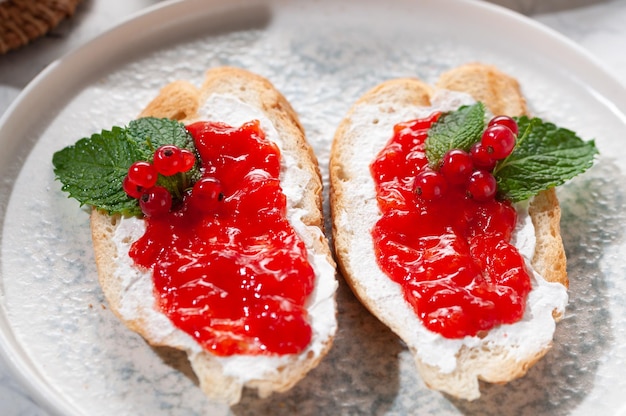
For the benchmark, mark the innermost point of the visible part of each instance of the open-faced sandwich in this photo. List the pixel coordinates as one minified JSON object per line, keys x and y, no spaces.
{"x":207,"y":229}
{"x":446,"y":222}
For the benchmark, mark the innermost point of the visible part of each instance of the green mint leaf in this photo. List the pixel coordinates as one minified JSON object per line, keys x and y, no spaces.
{"x":92,"y":170}
{"x":545,"y":156}
{"x":455,"y":130}
{"x":149,"y":133}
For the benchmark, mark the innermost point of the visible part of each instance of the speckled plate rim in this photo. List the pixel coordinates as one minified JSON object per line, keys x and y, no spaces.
{"x":146,"y":28}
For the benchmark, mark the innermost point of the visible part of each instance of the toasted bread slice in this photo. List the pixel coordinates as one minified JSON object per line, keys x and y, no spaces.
{"x":129,"y":290}
{"x":452,"y":366}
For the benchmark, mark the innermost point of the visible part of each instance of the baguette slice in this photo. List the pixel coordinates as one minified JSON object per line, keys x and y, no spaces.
{"x":451,"y":366}
{"x":129,"y":290}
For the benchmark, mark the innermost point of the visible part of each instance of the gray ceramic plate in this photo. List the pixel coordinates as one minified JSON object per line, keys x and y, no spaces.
{"x":55,"y":328}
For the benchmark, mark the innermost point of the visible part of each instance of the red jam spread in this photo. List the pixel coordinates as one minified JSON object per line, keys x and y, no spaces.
{"x":452,"y":256}
{"x":235,"y":277}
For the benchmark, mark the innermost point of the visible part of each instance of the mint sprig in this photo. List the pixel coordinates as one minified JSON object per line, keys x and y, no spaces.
{"x":150,"y":133}
{"x":454,"y":130}
{"x":544,"y":156}
{"x":93,"y":169}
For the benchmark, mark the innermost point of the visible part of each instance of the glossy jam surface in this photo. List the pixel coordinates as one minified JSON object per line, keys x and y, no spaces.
{"x":452,"y":256}
{"x":235,"y":276}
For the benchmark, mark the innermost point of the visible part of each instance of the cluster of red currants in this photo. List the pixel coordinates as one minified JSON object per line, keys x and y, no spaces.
{"x":142,"y":177}
{"x":474,"y":168}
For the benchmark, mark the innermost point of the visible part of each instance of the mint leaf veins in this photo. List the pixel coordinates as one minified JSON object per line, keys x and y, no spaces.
{"x":455,"y":130}
{"x":545,"y":156}
{"x":149,"y":133}
{"x":93,"y":169}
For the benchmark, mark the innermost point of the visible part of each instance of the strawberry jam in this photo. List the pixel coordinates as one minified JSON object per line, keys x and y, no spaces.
{"x":452,"y":255}
{"x":231,"y":272}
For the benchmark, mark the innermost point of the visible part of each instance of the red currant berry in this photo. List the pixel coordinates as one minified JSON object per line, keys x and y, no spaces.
{"x":143,"y":174}
{"x":206,"y":194}
{"x":132,"y":189}
{"x":155,"y":201}
{"x":168,"y":160}
{"x":456,"y":166}
{"x":499,"y":141}
{"x":481,"y":157}
{"x":481,"y":186}
{"x":505,"y":121}
{"x":188,"y":160}
{"x":430,"y":185}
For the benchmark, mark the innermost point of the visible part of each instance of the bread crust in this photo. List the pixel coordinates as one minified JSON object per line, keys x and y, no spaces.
{"x":180,"y":100}
{"x":501,"y":94}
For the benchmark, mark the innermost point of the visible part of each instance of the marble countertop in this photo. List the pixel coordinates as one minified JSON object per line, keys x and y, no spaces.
{"x":596,"y":25}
